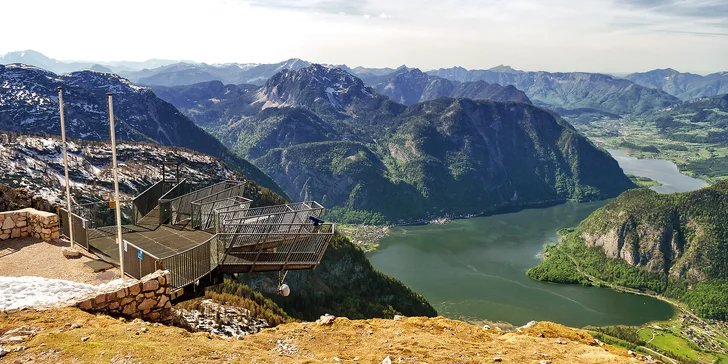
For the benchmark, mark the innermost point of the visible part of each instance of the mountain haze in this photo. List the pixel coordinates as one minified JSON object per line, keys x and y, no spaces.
{"x":410,"y":86}
{"x":683,"y":85}
{"x":574,"y":90}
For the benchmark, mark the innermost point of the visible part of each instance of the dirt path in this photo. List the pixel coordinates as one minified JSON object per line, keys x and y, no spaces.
{"x":34,"y":257}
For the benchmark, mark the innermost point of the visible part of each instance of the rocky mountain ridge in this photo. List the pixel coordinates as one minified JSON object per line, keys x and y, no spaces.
{"x":322,"y":133}
{"x":29,"y":103}
{"x":572,"y":90}
{"x":411,"y":86}
{"x":682,"y":85}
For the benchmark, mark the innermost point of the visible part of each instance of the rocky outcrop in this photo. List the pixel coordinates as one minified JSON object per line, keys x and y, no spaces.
{"x":18,"y":198}
{"x":28,"y":222}
{"x":147,"y":299}
{"x":219,"y":320}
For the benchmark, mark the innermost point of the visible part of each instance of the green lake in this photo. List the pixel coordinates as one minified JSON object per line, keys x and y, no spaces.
{"x":475,"y":269}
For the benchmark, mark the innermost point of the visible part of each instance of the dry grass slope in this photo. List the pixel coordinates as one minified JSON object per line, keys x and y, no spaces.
{"x":431,"y":340}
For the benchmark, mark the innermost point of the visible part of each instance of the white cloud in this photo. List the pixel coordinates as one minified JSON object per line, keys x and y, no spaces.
{"x":555,"y":35}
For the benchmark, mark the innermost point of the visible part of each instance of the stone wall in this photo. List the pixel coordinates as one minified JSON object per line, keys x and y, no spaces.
{"x":147,"y":299}
{"x":28,"y":222}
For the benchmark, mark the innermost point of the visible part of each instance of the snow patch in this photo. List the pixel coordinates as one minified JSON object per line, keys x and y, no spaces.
{"x":21,"y":292}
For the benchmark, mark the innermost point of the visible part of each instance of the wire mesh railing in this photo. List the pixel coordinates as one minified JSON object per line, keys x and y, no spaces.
{"x":192,"y":264}
{"x":103,"y":213}
{"x":263,"y":244}
{"x":137,"y":261}
{"x":228,"y":219}
{"x":203,"y":213}
{"x":166,"y":209}
{"x":80,"y":228}
{"x":145,"y":202}
{"x":180,"y":207}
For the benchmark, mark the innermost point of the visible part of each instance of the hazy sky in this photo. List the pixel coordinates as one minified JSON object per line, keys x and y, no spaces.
{"x":553,"y":35}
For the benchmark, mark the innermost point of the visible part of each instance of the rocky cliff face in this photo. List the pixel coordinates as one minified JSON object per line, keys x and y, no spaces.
{"x":678,"y":235}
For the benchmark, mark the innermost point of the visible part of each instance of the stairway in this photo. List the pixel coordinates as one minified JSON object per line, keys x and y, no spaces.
{"x":151,"y":220}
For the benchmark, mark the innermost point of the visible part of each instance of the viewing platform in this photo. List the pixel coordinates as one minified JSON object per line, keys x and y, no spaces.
{"x":205,"y":232}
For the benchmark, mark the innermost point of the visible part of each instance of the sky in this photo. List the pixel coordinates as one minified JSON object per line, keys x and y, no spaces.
{"x":610,"y":36}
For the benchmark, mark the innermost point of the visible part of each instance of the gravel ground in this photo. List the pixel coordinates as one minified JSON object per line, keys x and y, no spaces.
{"x":34,"y":257}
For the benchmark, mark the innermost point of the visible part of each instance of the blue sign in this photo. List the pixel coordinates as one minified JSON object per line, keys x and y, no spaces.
{"x":140,"y":255}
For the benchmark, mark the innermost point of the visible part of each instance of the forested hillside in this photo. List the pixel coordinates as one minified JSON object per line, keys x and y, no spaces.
{"x":675,"y":245}
{"x":323,"y":134}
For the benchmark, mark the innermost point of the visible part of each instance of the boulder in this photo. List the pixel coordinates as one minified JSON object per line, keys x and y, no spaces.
{"x":70,"y":252}
{"x":326,"y":320}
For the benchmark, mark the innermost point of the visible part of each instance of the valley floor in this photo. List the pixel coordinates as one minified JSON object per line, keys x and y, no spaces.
{"x":707,"y":161}
{"x":436,"y":340}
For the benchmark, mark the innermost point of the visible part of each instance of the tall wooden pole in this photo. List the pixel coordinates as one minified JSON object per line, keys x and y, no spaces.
{"x":116,"y":183}
{"x":65,"y":166}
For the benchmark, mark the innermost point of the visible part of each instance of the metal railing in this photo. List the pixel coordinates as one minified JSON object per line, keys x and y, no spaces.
{"x":145,"y":202}
{"x":203,"y":213}
{"x":166,"y":201}
{"x":80,"y":228}
{"x":180,"y":207}
{"x":228,"y":219}
{"x":137,"y":261}
{"x":203,"y":208}
{"x":192,"y":264}
{"x":264,"y":244}
{"x":102,"y":213}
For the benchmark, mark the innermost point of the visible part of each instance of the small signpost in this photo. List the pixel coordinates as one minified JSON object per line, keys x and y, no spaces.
{"x":140,"y":254}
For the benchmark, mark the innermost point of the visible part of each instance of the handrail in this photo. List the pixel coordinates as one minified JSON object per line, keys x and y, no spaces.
{"x":135,"y":267}
{"x":138,"y":248}
{"x":190,"y":265}
{"x":146,"y":201}
{"x":80,"y":235}
{"x":204,"y":214}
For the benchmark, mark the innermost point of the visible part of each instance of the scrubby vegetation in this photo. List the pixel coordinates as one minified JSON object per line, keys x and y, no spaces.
{"x":345,"y":284}
{"x":238,"y":295}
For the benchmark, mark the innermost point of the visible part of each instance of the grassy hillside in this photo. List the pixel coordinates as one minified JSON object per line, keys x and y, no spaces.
{"x":419,"y":339}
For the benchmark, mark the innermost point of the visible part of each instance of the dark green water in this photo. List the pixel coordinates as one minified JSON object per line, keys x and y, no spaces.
{"x":475,"y":270}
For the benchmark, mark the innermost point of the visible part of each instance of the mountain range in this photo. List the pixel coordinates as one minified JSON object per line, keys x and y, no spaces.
{"x":683,"y":85}
{"x":183,"y":73}
{"x":29,"y":103}
{"x":410,"y":85}
{"x":34,"y":58}
{"x":324,"y":134}
{"x":573,"y":90}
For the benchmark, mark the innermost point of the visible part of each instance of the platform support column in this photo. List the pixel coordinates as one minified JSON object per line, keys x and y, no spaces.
{"x":65,"y":167}
{"x":116,"y":183}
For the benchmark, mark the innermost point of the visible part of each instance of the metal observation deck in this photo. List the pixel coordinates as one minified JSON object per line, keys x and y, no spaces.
{"x":204,"y":232}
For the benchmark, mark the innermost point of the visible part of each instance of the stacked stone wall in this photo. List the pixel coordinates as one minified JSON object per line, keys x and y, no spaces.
{"x":28,"y":222}
{"x":147,"y":299}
